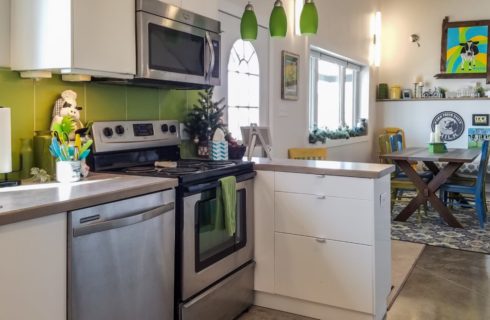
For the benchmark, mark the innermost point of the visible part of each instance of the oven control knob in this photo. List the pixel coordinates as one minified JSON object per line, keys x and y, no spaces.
{"x":108,"y":132}
{"x":173,"y":129}
{"x":120,"y":130}
{"x":164,"y":128}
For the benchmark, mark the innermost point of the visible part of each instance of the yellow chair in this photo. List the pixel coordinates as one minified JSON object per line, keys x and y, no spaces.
{"x":308,"y":153}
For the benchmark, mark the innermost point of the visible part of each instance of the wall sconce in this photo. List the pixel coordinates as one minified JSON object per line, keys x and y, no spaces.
{"x":377,"y":39}
{"x":414,"y":38}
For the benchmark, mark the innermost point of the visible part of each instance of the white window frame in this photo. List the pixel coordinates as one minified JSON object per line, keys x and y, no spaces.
{"x":315,"y":56}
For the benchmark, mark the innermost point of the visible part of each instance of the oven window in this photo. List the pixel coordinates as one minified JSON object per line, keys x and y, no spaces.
{"x":213,"y":243}
{"x":175,"y":51}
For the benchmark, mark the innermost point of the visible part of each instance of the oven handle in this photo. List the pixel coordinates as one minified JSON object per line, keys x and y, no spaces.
{"x":122,"y":222}
{"x":198,"y":188}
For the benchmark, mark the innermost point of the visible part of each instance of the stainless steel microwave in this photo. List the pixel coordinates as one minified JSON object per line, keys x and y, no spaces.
{"x":176,"y":46}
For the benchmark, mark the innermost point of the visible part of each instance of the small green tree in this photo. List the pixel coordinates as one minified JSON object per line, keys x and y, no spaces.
{"x":205,"y":118}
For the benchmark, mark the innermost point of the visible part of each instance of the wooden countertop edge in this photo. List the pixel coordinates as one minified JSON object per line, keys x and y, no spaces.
{"x":351,"y":173}
{"x":84,"y":202}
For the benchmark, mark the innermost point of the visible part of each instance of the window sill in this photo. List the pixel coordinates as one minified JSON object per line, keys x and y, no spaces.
{"x":342,"y":142}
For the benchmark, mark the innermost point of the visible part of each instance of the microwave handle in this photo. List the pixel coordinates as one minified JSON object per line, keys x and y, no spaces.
{"x":212,"y":61}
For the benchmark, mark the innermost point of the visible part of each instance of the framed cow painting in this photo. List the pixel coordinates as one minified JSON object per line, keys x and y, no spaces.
{"x":464,"y":50}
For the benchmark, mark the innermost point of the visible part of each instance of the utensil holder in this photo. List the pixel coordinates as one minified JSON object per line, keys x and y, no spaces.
{"x":68,"y":171}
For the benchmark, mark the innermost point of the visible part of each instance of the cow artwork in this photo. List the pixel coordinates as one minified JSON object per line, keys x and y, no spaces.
{"x":468,"y":54}
{"x":465,"y":48}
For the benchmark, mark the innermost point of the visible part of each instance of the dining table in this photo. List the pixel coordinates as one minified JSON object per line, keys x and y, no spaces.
{"x":449,"y":162}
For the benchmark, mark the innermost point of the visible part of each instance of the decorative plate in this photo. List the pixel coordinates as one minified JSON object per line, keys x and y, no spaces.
{"x":451,"y":125}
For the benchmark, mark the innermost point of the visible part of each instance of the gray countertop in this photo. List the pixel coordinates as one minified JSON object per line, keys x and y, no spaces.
{"x":38,"y":200}
{"x":331,"y":168}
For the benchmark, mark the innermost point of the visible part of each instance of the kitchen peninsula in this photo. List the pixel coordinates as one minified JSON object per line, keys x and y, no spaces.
{"x":322,"y":234}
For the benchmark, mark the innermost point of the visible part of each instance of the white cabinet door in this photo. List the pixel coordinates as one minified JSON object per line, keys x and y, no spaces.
{"x":264,"y":231}
{"x":33,"y":269}
{"x":344,"y":187}
{"x":349,"y":220}
{"x":334,"y":273}
{"x":4,"y":33}
{"x":208,"y":8}
{"x":104,"y":36}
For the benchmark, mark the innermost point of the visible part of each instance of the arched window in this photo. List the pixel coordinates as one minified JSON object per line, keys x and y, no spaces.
{"x":243,"y":87}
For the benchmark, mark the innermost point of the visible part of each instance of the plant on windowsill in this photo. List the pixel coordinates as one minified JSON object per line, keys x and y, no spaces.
{"x":322,"y":135}
{"x":203,"y":121}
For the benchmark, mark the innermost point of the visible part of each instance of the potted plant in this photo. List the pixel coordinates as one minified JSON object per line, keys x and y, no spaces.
{"x":203,"y":120}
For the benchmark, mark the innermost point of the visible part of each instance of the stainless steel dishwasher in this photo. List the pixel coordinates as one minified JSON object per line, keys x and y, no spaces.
{"x":121,"y":260}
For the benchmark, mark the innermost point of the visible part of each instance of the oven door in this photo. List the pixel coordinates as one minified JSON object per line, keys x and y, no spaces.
{"x":172,"y":51}
{"x":209,"y":253}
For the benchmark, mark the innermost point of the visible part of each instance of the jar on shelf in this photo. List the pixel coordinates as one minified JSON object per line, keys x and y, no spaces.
{"x":395,"y":93}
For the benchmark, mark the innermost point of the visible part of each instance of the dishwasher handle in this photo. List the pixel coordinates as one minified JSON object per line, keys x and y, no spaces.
{"x":122,"y":222}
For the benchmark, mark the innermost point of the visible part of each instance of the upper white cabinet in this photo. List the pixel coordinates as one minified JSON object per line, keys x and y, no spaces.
{"x":89,"y":37}
{"x":207,"y":8}
{"x":4,"y":33}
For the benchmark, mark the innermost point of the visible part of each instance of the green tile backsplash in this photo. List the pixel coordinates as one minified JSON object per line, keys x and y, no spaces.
{"x":32,"y":101}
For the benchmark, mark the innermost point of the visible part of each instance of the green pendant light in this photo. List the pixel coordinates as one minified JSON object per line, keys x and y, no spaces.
{"x":278,"y":23}
{"x":249,"y":27}
{"x":309,"y":19}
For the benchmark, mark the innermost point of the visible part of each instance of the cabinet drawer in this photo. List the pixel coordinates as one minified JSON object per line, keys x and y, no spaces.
{"x":345,"y":187}
{"x":320,"y":216}
{"x":334,"y":273}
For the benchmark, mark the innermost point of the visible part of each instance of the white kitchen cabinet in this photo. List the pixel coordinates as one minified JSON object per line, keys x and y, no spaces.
{"x":325,"y":242}
{"x":264,"y":231}
{"x":324,"y":271}
{"x":326,"y":217}
{"x":33,"y":269}
{"x":4,"y":33}
{"x":208,"y":8}
{"x":88,"y":37}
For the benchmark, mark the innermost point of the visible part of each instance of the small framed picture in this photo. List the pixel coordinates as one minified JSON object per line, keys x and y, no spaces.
{"x":480,"y":119}
{"x":290,"y":76}
{"x":407,"y":94}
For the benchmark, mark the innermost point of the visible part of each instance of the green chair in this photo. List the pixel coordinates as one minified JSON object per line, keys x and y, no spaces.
{"x":399,"y":184}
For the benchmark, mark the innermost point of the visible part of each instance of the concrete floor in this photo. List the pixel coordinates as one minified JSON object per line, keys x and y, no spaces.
{"x":445,"y":284}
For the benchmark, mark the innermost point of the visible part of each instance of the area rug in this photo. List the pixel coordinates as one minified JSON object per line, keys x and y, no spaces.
{"x":429,"y":229}
{"x":404,"y":256}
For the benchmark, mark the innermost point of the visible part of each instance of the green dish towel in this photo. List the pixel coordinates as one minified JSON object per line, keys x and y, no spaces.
{"x":226,"y":205}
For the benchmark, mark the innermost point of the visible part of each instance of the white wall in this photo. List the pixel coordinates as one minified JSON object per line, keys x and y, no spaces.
{"x":4,"y":33}
{"x":289,"y":119}
{"x":402,"y":61}
{"x":416,"y":118}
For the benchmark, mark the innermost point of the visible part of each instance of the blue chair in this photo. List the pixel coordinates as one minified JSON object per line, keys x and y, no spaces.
{"x":475,"y":188}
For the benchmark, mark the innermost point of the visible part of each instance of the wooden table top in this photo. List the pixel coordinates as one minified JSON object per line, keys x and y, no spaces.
{"x":423,"y":154}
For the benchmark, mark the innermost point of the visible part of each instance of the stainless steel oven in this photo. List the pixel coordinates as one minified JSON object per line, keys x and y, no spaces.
{"x":211,"y":257}
{"x":176,"y":45}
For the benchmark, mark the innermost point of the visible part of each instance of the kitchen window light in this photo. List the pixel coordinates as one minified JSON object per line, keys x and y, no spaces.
{"x":334,"y":92}
{"x":243,"y":87}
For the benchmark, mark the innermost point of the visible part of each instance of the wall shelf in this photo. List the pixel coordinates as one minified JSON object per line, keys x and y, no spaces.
{"x":434,"y":99}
